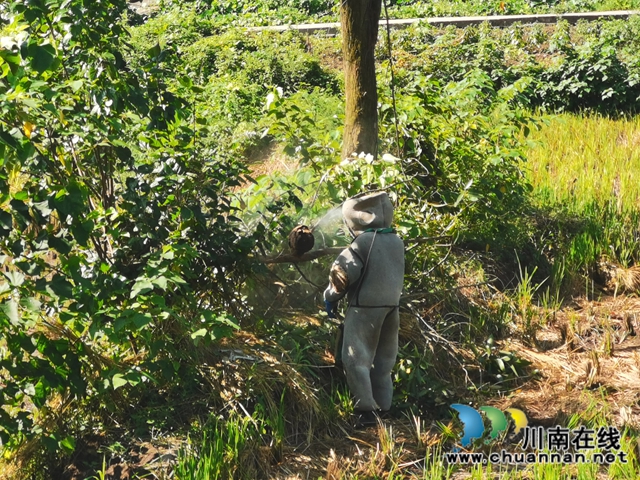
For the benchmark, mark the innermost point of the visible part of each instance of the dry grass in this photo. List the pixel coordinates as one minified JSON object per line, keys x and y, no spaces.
{"x":267,"y":160}
{"x":617,"y":278}
{"x":585,"y":362}
{"x":270,"y":159}
{"x":249,"y":364}
{"x":576,"y":375}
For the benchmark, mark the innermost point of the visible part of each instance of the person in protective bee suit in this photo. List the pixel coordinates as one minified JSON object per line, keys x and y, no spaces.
{"x":370,"y":272}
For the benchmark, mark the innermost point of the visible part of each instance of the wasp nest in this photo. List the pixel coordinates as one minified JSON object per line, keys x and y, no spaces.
{"x":301,"y":240}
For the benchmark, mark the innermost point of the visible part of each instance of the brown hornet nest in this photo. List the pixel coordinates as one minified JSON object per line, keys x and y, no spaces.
{"x":301,"y":240}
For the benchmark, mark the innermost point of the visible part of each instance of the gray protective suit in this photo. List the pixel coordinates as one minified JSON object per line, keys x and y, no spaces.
{"x":374,"y":269}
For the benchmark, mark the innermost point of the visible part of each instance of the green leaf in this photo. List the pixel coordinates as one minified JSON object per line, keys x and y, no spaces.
{"x":29,"y":102}
{"x":15,"y":278}
{"x":60,"y":287}
{"x":42,"y":56}
{"x":43,"y":208}
{"x":31,"y":304}
{"x":160,"y":282}
{"x":50,"y":442}
{"x":228,"y":321}
{"x":134,"y":378}
{"x":185,"y":81}
{"x":199,"y":333}
{"x":9,"y":57}
{"x":118,"y":381}
{"x":22,"y":196}
{"x":10,"y":309}
{"x":142,"y":285}
{"x":212,"y":318}
{"x":30,"y":268}
{"x":221,"y":332}
{"x":82,"y":232}
{"x":140,"y":320}
{"x":459,"y":199}
{"x":177,"y":279}
{"x":6,"y":223}
{"x":68,"y":444}
{"x":21,"y":212}
{"x":76,"y":85}
{"x":120,"y":323}
{"x":8,"y":139}
{"x":154,"y":51}
{"x":60,"y":244}
{"x":41,"y":392}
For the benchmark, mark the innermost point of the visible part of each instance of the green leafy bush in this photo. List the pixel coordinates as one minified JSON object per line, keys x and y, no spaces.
{"x":459,"y":171}
{"x":251,"y":12}
{"x":591,"y":67}
{"x":254,"y":12}
{"x":227,"y":77}
{"x":589,"y":75}
{"x":118,"y":240}
{"x":127,"y":220}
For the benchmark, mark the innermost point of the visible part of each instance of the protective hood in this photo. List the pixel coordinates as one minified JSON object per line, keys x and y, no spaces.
{"x":369,"y":211}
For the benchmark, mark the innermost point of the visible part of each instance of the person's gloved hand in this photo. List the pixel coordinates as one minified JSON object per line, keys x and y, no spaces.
{"x":331,"y":308}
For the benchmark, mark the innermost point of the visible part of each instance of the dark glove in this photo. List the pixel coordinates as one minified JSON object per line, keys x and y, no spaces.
{"x":331,"y":308}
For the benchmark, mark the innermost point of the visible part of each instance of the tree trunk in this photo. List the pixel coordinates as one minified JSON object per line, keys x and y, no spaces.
{"x":359,"y":20}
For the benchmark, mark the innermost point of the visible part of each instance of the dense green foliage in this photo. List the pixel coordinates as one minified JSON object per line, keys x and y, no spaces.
{"x":594,"y":66}
{"x":271,"y":12}
{"x":118,"y":241}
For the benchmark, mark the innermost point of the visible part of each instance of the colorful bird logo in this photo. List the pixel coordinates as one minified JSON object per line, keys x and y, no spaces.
{"x":473,"y":426}
{"x":471,"y":422}
{"x":519,"y":418}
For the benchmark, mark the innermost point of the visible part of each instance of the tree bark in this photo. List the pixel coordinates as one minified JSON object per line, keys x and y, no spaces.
{"x":359,"y":21}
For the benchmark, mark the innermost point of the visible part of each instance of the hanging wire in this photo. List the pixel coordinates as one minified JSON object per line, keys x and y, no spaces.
{"x":393,"y":79}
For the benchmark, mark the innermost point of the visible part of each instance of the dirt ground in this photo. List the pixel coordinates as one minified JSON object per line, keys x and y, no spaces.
{"x":588,"y":348}
{"x":587,"y":357}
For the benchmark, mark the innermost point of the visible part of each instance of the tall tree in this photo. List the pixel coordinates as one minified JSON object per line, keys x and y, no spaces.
{"x":359,"y":20}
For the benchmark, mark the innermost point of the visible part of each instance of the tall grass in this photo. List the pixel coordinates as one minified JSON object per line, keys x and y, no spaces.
{"x":575,"y":160}
{"x":584,"y":171}
{"x":217,"y":454}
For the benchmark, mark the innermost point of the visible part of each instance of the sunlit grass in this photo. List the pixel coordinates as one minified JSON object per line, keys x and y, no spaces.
{"x":574,"y":160}
{"x":217,"y":454}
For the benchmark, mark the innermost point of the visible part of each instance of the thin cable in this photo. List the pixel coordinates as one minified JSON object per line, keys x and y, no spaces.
{"x":393,"y":79}
{"x":356,"y":294}
{"x":320,"y":288}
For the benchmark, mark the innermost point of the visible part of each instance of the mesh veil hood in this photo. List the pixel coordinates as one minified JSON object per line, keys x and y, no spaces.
{"x":368,"y":211}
